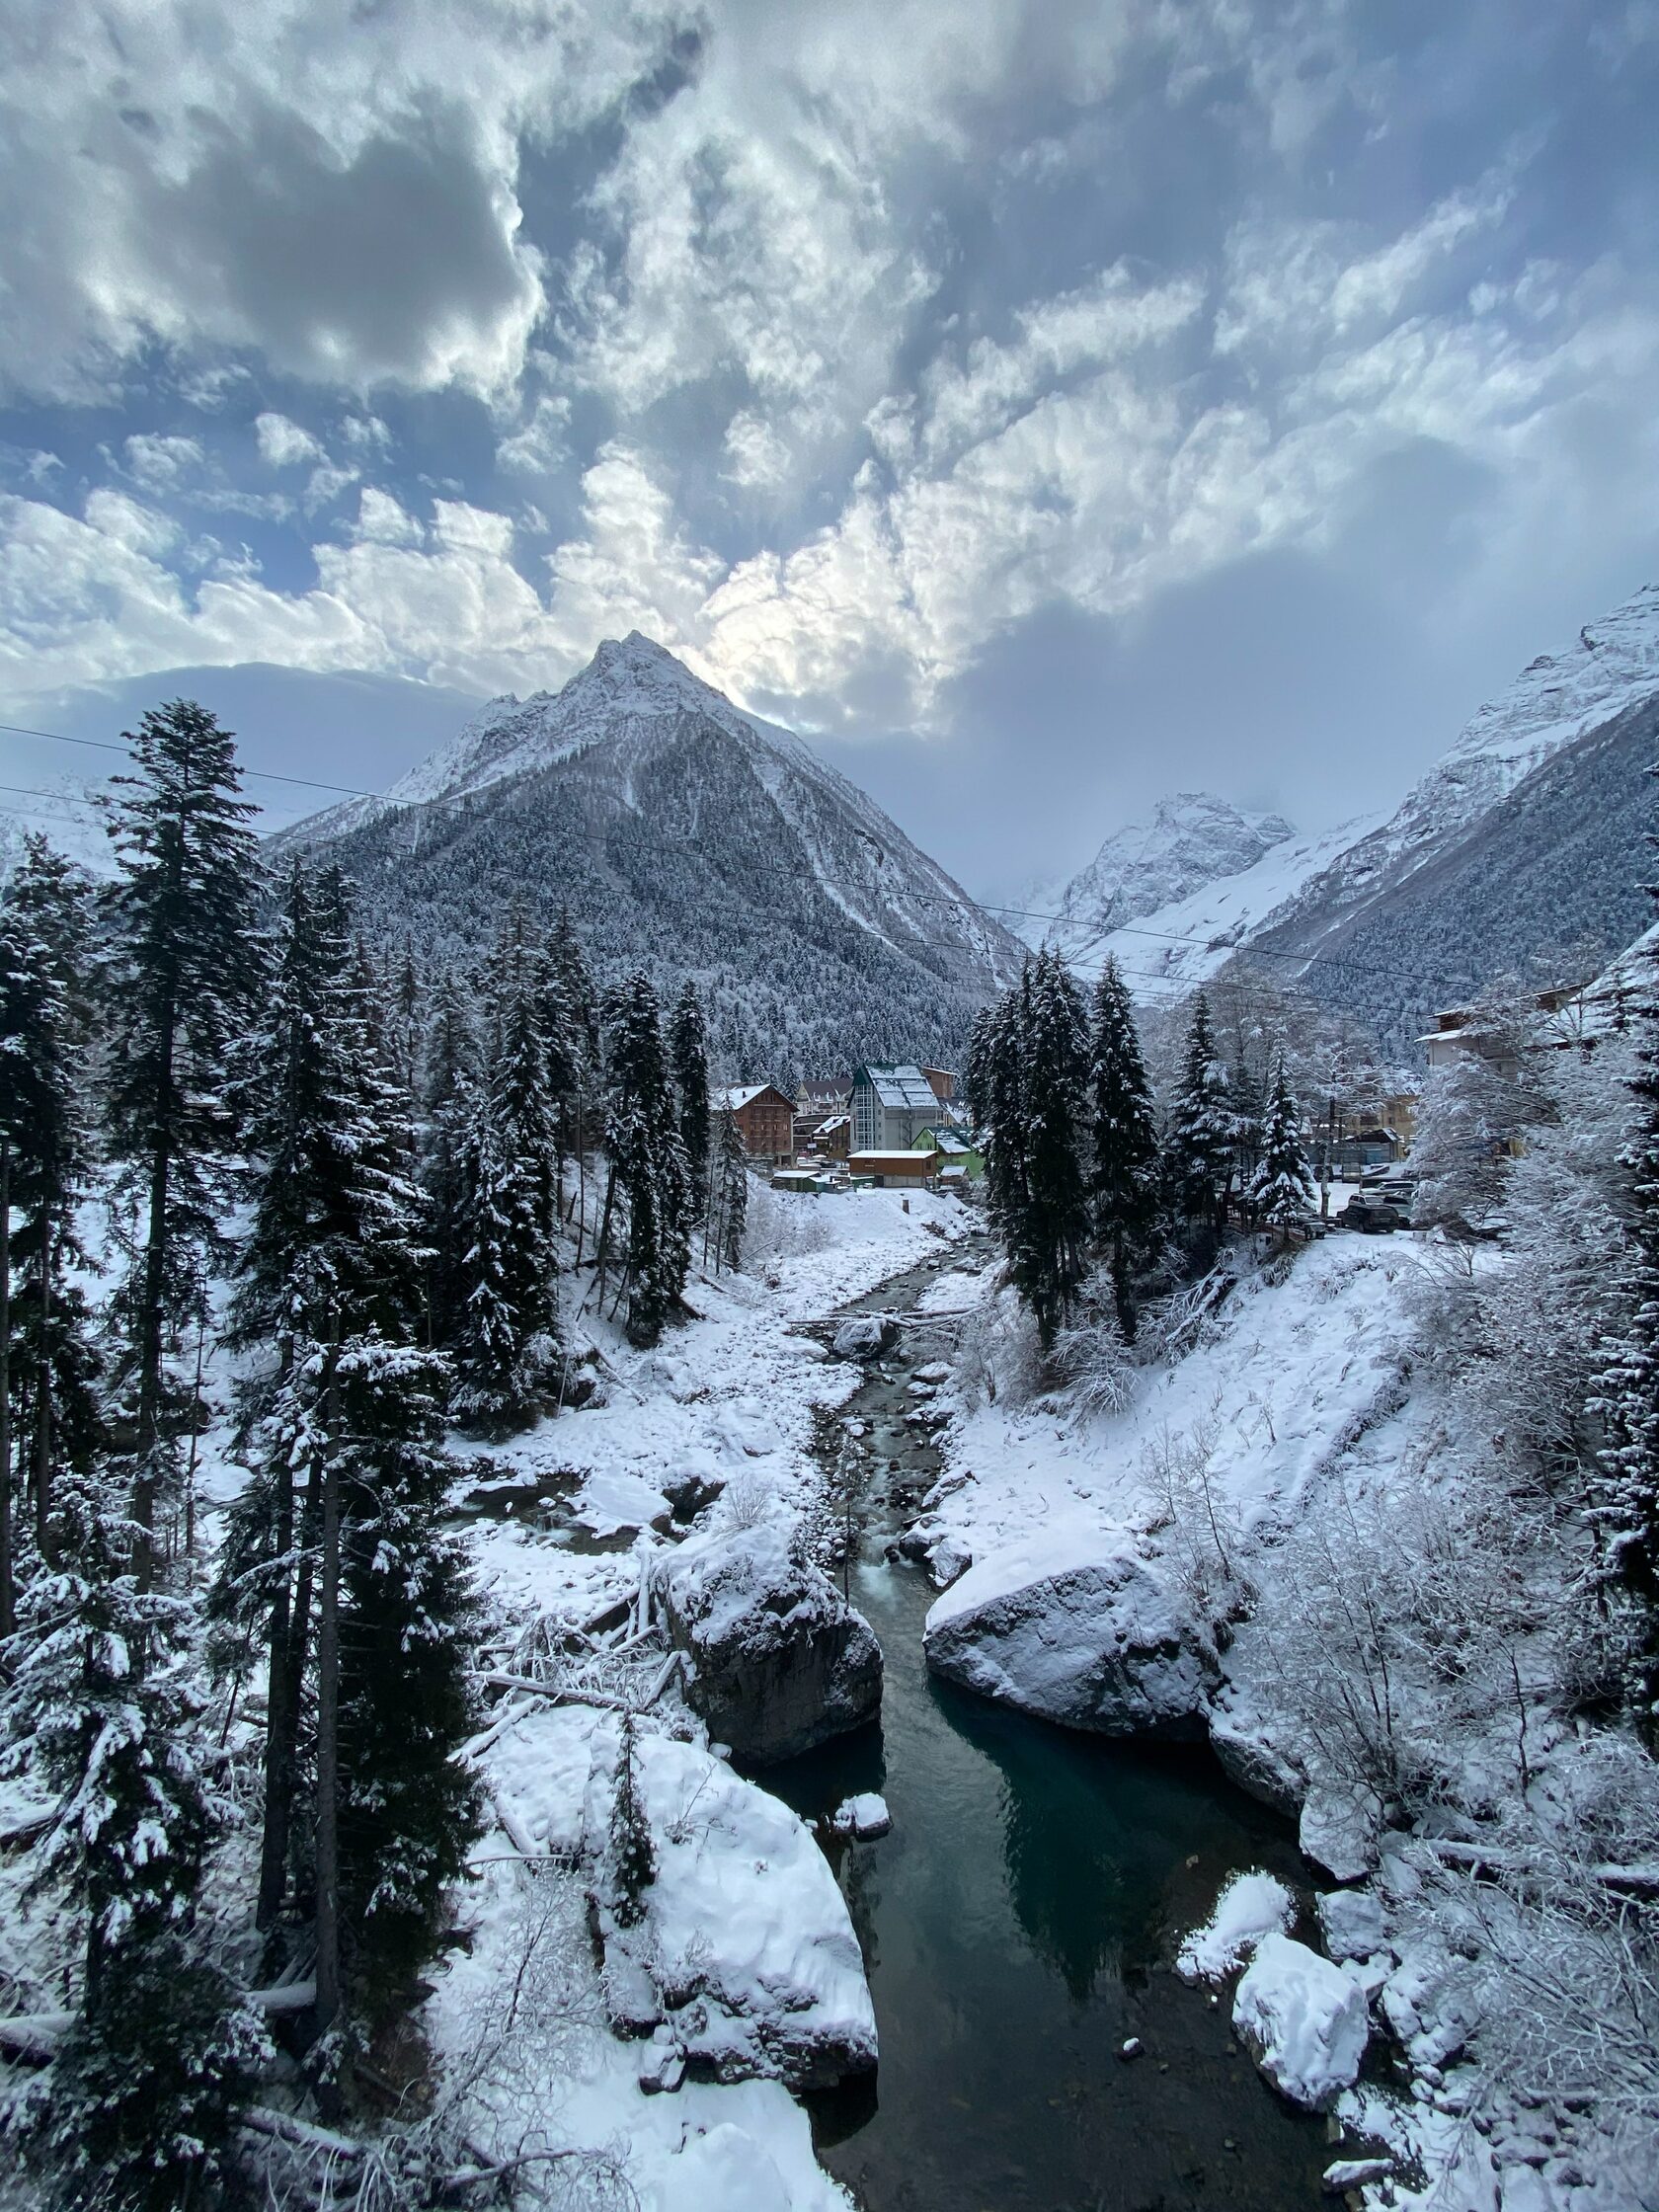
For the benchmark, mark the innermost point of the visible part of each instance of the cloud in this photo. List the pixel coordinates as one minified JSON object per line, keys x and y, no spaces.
{"x":537,"y":446}
{"x":337,"y":194}
{"x":162,"y":463}
{"x":283,"y":444}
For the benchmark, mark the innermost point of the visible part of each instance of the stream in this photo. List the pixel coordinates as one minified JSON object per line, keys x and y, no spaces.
{"x":1020,"y":1921}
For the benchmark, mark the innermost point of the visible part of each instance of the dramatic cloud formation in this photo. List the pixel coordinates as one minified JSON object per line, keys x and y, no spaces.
{"x":911,"y":368}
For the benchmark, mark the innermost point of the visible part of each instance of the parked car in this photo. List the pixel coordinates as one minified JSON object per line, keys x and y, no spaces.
{"x":1370,"y":1216}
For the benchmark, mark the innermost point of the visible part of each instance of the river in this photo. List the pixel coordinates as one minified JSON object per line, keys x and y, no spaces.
{"x":1019,"y":1924}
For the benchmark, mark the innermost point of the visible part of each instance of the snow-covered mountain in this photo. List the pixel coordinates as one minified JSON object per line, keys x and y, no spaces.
{"x":71,"y":816}
{"x":689,"y":837}
{"x":1192,"y":839}
{"x":1526,"y":835}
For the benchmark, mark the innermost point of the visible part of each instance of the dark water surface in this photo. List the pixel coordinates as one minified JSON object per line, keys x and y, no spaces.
{"x":1018,"y":1925}
{"x":1020,"y":1922}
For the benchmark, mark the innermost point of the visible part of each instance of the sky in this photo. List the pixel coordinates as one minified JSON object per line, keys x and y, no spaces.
{"x":1041,"y":405}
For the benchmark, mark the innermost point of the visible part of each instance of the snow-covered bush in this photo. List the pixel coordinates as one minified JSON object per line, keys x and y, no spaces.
{"x":998,"y":1359}
{"x":1195,"y":1527}
{"x":783,"y":1226}
{"x":1095,"y":1362}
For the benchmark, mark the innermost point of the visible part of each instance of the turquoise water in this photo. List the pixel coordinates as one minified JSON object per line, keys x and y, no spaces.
{"x":1018,"y":1925}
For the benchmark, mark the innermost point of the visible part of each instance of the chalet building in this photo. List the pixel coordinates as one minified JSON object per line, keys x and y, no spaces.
{"x":823,"y":1095}
{"x":891,"y":1107}
{"x":833,"y":1139}
{"x":953,"y":1150}
{"x":766,"y":1119}
{"x":901,"y":1169}
{"x":1459,"y":1030}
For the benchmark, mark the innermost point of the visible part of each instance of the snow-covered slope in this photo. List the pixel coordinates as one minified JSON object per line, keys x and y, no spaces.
{"x":1526,"y":836}
{"x":691,"y":836}
{"x":1192,"y":839}
{"x":69,"y":814}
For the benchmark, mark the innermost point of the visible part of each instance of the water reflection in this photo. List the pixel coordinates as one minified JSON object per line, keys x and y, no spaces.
{"x":1018,"y":1925}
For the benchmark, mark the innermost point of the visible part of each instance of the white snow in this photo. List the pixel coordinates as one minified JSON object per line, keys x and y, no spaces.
{"x":864,"y":1816}
{"x":1251,"y":1906}
{"x":1303,"y":2019}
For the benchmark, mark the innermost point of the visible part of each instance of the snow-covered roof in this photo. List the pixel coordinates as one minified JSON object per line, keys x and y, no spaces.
{"x":901,"y":1087}
{"x":893,"y":1158}
{"x":739,"y":1095}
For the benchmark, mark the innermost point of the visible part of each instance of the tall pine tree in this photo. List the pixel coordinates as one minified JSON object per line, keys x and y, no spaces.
{"x":1198,"y":1156}
{"x":1124,"y":1178}
{"x":642,"y":1136}
{"x":186,"y":971}
{"x":1050,"y":1255}
{"x":688,"y":1056}
{"x":1280,"y":1187}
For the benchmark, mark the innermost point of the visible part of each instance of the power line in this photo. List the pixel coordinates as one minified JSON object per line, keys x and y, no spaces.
{"x":685,"y":844}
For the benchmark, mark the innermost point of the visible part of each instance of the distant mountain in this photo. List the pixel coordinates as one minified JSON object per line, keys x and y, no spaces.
{"x":691,"y":837}
{"x":69,"y":814}
{"x":1192,"y":839}
{"x":1525,"y":837}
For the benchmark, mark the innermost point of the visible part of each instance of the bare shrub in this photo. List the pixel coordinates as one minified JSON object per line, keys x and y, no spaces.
{"x":999,"y":1358}
{"x":1196,"y":1529}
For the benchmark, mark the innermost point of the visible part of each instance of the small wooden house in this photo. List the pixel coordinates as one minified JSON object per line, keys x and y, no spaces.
{"x":766,"y":1119}
{"x":906,"y":1171}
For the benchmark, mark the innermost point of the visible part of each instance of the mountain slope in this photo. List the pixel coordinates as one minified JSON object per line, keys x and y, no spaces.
{"x":1525,"y":837}
{"x":1191,"y":840}
{"x":693,"y":838}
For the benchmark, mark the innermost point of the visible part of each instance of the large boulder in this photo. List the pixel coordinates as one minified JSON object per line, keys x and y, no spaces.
{"x":865,"y":1336}
{"x":779,"y":1660}
{"x":1302,"y":2020}
{"x":1090,"y":1636}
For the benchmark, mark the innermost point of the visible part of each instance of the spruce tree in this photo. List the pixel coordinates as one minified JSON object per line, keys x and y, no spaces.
{"x":728,"y":1219}
{"x":688,"y":1055}
{"x":1198,"y":1156}
{"x":331,"y":1250}
{"x":409,"y":1810}
{"x":448,"y":1073}
{"x":47,"y":1368}
{"x":1280,"y":1188}
{"x":642,"y":1136}
{"x":1050,"y":1255}
{"x":1124,"y":1178}
{"x":996,"y":1074}
{"x":186,"y":971}
{"x":509,"y":1346}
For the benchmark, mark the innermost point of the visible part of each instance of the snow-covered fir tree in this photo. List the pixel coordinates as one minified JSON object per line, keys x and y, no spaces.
{"x":449,"y":1071}
{"x":1050,"y":1254}
{"x":103,"y":1702}
{"x":1198,"y":1150}
{"x":409,"y":1810}
{"x":647,"y":1157}
{"x":49,"y":1403}
{"x":727,"y":1220}
{"x":1281,"y":1186}
{"x":1124,"y":1167}
{"x":184,"y":977}
{"x":688,"y":1059}
{"x":507,"y":1349}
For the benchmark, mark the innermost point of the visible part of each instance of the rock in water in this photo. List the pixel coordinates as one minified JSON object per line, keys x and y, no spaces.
{"x":780,"y":1660}
{"x":1101,"y":1643}
{"x":864,"y":1817}
{"x":865,"y":1336}
{"x":1302,"y":2020}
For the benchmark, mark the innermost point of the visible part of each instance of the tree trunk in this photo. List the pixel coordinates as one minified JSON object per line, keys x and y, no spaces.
{"x":7,"y":1619}
{"x":278,"y":1730}
{"x":43,"y":1398}
{"x":328,"y":1731}
{"x":150,"y":1319}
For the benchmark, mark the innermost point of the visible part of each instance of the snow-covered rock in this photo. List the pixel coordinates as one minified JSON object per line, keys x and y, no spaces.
{"x":863,"y":1817}
{"x":1256,"y":1766}
{"x":1251,"y":1906}
{"x":1302,"y":2019}
{"x":1352,"y":1923}
{"x":1100,"y":1642}
{"x":744,"y":1962}
{"x":864,"y":1336}
{"x":780,"y":1661}
{"x":1338,"y":1832}
{"x":1355,"y":2173}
